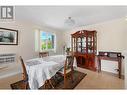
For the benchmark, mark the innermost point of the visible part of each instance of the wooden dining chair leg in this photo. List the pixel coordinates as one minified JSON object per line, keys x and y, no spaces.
{"x":27,"y":85}
{"x":72,"y":79}
{"x":24,"y":86}
{"x":65,"y":81}
{"x":51,"y":83}
{"x":45,"y":84}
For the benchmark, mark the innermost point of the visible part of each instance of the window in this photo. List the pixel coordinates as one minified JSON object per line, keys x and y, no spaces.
{"x":47,"y":41}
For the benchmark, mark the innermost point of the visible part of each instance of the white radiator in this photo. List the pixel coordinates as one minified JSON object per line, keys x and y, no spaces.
{"x":7,"y":58}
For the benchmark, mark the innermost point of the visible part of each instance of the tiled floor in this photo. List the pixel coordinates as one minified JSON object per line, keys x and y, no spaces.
{"x":93,"y":80}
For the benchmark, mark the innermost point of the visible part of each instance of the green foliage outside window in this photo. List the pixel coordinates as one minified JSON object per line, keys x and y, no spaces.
{"x":47,"y":41}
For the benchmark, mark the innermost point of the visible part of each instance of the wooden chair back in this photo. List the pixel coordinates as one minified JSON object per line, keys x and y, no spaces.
{"x":25,"y":77}
{"x":68,"y":67}
{"x":43,"y":54}
{"x":70,"y":53}
{"x":69,"y":62}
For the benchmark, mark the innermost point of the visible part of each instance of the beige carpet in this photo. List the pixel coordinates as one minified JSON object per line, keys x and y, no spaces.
{"x":93,"y":80}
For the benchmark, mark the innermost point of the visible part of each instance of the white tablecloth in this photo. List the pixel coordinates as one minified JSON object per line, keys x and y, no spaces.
{"x":41,"y":69}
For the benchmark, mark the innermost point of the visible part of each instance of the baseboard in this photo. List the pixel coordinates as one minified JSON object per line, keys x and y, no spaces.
{"x":9,"y":74}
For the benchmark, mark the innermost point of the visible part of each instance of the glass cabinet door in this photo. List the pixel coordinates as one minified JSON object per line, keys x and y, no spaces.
{"x":79,"y":44}
{"x":83,"y":44}
{"x":74,"y":44}
{"x":90,"y":44}
{"x":95,"y":43}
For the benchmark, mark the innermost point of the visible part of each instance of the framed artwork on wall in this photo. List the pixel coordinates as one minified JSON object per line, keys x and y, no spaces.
{"x":8,"y":36}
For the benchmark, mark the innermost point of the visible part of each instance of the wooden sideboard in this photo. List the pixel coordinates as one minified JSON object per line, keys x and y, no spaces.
{"x":112,"y":56}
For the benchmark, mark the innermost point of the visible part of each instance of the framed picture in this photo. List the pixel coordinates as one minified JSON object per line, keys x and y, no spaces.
{"x":8,"y":36}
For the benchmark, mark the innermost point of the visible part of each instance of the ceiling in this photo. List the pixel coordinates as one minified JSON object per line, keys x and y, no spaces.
{"x":54,"y":16}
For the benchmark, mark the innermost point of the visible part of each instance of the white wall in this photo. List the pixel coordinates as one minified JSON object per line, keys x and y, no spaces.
{"x":26,"y":44}
{"x":111,"y":36}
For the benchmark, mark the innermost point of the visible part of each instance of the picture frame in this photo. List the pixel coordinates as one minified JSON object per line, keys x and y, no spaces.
{"x":8,"y":36}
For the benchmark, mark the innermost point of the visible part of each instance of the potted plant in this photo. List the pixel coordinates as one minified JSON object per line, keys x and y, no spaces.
{"x":67,"y":50}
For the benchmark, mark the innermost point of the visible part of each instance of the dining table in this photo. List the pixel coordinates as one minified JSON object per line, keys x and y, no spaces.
{"x":41,"y":69}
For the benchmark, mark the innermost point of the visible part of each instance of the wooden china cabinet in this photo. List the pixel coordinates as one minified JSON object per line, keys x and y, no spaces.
{"x":84,"y":47}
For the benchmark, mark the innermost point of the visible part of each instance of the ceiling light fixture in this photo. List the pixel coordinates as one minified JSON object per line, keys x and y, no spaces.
{"x":70,"y":21}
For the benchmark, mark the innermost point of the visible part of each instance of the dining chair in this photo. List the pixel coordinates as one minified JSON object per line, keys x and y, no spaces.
{"x":24,"y":74}
{"x":67,"y":69}
{"x":43,"y":54}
